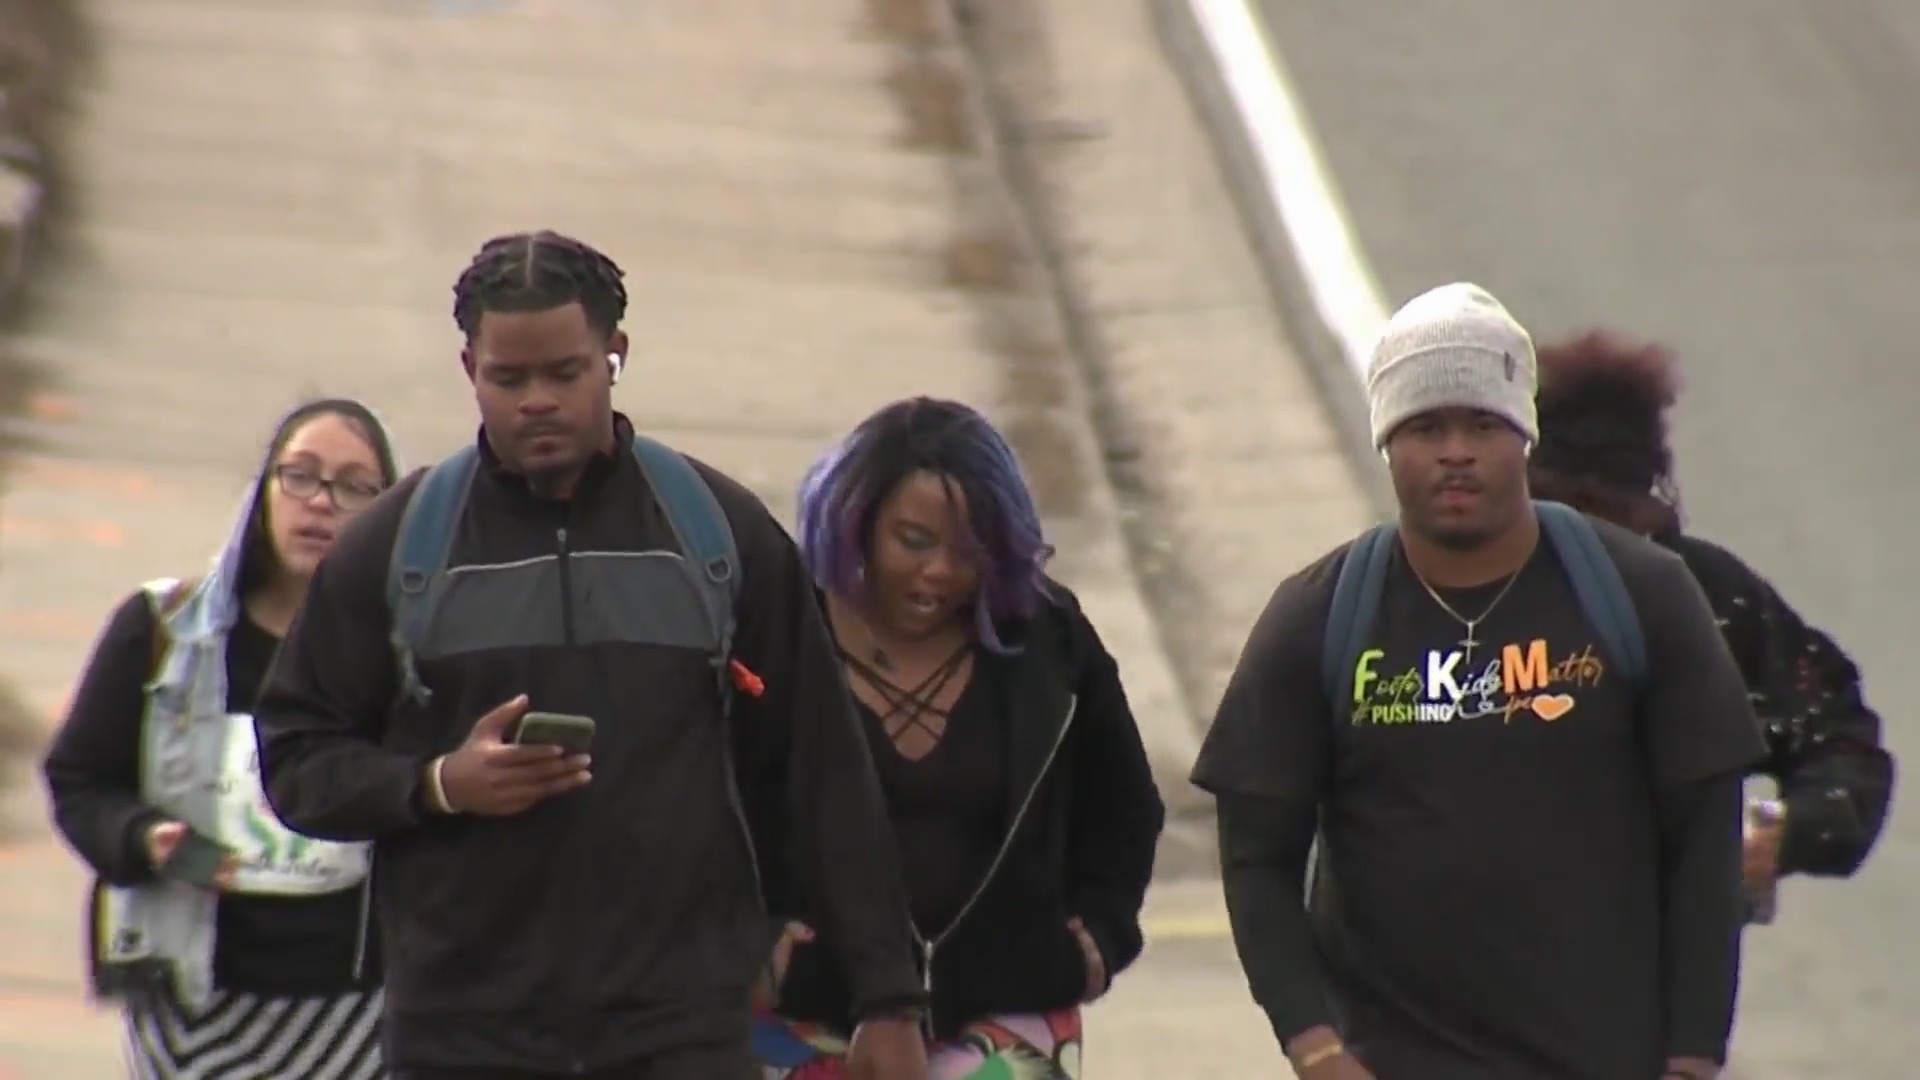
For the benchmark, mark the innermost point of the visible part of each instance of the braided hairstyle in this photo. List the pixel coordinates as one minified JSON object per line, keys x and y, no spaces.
{"x":1603,"y":446}
{"x":539,"y":271}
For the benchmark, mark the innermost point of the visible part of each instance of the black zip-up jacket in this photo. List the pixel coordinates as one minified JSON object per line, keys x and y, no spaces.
{"x":1823,"y":740}
{"x":606,"y":925}
{"x":1083,"y":818}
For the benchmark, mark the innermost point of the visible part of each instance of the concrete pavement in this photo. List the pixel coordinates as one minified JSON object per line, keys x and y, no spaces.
{"x":1734,"y":179}
{"x":1231,"y":473}
{"x":275,"y":202}
{"x":1234,"y":472}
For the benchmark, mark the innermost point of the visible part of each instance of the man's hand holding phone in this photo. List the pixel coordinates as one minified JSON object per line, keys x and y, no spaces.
{"x":493,"y":776}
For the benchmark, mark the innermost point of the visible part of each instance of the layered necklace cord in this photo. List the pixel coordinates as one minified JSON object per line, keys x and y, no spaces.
{"x":911,"y":706}
{"x":1469,"y":643}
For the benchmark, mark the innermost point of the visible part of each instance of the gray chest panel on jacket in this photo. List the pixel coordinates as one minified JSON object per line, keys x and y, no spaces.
{"x":593,"y":598}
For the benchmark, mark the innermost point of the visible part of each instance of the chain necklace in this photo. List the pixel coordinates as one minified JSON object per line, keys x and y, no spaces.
{"x":1469,"y":643}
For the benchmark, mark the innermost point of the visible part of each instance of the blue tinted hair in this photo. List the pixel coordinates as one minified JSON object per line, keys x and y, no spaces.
{"x":841,"y":494}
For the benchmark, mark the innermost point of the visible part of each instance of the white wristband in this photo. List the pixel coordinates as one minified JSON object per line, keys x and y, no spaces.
{"x":436,"y":790}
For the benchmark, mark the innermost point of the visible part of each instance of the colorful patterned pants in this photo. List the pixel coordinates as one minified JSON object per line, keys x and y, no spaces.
{"x":1026,"y":1046}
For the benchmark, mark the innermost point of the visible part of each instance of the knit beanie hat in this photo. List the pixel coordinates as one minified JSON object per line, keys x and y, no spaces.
{"x":1452,"y":347}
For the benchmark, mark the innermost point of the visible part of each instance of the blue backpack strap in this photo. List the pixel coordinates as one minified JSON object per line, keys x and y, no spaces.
{"x":706,"y":542}
{"x":1351,"y":617}
{"x":1356,"y":604}
{"x":1598,"y":586}
{"x":419,"y":557}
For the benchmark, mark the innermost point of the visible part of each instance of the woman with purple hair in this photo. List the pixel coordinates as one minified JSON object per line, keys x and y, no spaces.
{"x":1021,"y":799}
{"x":1603,"y":405}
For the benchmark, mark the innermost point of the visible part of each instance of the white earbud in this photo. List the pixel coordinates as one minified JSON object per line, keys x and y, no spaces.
{"x":615,"y":364}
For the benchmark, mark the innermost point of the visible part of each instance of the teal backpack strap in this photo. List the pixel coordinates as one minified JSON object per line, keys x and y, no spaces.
{"x":419,"y":557}
{"x":1357,"y":592}
{"x":1356,"y":604}
{"x":706,"y":543}
{"x":1598,"y":586}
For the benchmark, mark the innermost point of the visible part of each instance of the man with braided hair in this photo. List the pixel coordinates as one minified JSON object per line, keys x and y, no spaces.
{"x":576,"y":690}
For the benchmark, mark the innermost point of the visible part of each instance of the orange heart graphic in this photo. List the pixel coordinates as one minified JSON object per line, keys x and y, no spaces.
{"x":1551,"y":707}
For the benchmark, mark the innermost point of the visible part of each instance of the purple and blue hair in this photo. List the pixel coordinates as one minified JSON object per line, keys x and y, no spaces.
{"x":841,"y":495}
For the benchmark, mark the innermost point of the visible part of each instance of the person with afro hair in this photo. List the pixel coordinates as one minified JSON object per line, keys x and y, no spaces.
{"x":1604,"y":449}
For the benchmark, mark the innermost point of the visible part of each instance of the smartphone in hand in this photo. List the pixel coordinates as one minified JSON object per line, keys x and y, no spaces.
{"x":196,"y":860}
{"x":570,"y":732}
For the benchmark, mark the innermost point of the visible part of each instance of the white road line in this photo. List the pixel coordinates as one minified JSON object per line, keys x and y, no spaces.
{"x":1345,"y":292}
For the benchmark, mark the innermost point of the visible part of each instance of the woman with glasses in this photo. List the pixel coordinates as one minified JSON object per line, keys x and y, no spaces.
{"x":237,"y":949}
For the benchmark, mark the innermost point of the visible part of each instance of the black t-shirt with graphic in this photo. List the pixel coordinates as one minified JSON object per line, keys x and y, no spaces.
{"x":1488,"y":812}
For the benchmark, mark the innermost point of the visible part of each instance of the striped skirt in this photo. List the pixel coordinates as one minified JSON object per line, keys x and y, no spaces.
{"x":244,"y":1037}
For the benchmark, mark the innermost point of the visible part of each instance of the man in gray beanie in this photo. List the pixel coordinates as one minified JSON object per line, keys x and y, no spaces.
{"x":1454,"y":353}
{"x":1522,"y":760}
{"x":1455,"y":345}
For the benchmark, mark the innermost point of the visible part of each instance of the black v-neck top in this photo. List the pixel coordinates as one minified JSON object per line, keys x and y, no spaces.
{"x":949,"y":807}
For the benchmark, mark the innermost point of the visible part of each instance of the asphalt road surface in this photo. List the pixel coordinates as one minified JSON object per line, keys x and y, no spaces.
{"x":1741,"y":179}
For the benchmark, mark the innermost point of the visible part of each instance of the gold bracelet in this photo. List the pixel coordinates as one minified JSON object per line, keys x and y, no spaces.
{"x":1326,"y":1053}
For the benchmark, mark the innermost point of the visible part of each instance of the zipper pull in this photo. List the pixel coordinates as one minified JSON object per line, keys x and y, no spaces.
{"x":926,"y":987}
{"x":561,"y":534}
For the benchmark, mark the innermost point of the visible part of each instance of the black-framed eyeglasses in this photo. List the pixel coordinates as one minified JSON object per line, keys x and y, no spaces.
{"x":347,"y":493}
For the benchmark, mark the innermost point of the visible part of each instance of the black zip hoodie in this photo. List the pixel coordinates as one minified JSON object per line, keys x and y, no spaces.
{"x":603,"y":926}
{"x":1083,"y":820}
